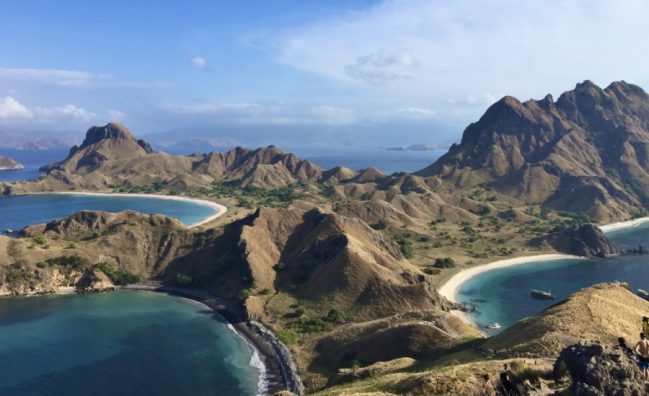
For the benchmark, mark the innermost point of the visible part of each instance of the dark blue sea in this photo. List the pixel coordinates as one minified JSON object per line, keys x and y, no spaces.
{"x":503,"y":295}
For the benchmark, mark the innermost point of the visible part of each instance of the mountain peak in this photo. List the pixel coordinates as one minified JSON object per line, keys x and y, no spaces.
{"x":111,"y":131}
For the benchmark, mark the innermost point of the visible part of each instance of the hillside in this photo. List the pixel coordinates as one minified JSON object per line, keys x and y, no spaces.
{"x":310,"y":275}
{"x":586,"y":152}
{"x":599,"y":313}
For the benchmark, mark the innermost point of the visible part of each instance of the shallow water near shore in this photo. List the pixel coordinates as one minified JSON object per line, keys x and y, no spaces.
{"x":503,"y":295}
{"x":19,"y":211}
{"x":122,"y":343}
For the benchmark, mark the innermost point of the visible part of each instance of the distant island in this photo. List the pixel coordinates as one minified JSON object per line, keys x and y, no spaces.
{"x":418,"y":147}
{"x":7,"y":163}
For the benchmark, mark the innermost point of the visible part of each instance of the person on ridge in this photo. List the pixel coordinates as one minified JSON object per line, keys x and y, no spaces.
{"x":642,"y":350}
{"x":487,"y":386}
{"x":507,"y":385}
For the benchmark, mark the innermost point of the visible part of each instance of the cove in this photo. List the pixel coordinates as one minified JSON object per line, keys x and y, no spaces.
{"x":503,"y":295}
{"x":121,"y":343}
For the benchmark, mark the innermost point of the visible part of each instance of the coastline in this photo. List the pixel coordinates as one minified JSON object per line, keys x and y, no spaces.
{"x":621,"y":225}
{"x":219,"y":209}
{"x":279,"y":370}
{"x":450,"y":288}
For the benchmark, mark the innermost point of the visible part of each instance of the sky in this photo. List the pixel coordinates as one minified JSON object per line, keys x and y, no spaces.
{"x":355,"y":72}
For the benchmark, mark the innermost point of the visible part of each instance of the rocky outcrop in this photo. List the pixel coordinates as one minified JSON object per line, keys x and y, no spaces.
{"x":7,"y":163}
{"x":586,"y":152}
{"x":585,"y":240}
{"x":599,"y":370}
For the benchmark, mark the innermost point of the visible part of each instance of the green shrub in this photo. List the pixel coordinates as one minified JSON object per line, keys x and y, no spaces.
{"x":336,"y":315}
{"x":69,"y":262}
{"x":244,"y":294}
{"x":183,"y":279}
{"x":405,"y":245}
{"x":432,"y":271}
{"x":118,"y":277}
{"x":39,"y":240}
{"x":19,"y":274}
{"x":446,"y":262}
{"x":287,"y":336}
{"x":307,"y":325}
{"x":380,"y":225}
{"x":279,"y":267}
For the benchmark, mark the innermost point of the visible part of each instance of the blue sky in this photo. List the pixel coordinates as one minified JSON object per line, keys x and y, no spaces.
{"x":334,"y":72}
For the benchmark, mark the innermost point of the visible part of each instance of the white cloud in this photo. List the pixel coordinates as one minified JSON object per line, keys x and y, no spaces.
{"x":72,"y":79}
{"x":199,"y":62}
{"x":67,"y":111}
{"x":438,"y":49}
{"x":10,"y":108}
{"x":272,"y":113}
{"x":382,"y":67}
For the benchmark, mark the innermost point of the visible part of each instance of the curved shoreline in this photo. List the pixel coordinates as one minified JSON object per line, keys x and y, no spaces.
{"x":280,"y":370}
{"x":451,"y":287}
{"x":621,"y":225}
{"x":219,"y":209}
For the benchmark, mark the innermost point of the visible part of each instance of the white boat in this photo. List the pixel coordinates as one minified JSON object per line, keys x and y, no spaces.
{"x":541,"y":294}
{"x":494,"y":325}
{"x":643,"y":293}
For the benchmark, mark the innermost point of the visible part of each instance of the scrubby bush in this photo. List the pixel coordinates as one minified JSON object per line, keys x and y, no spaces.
{"x":70,"y":262}
{"x":117,"y":276}
{"x":183,"y":279}
{"x":445,"y":262}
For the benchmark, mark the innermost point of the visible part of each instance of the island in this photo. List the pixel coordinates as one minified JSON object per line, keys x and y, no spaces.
{"x":7,"y":163}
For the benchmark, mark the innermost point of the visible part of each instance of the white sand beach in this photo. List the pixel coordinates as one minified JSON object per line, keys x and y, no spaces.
{"x":218,"y":208}
{"x":623,"y":224}
{"x":451,"y":287}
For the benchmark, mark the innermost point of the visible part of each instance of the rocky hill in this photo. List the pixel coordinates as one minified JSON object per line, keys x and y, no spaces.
{"x":112,"y":156}
{"x":7,"y":163}
{"x":599,"y":313}
{"x":582,"y":240}
{"x":586,"y":152}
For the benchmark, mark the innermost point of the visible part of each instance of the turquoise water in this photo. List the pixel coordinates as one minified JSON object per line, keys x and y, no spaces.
{"x":17,"y":212}
{"x":503,"y":295}
{"x":122,"y":343}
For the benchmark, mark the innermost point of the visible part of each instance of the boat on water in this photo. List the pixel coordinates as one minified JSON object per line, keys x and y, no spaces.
{"x":643,"y":293}
{"x":494,"y":325}
{"x":541,"y":294}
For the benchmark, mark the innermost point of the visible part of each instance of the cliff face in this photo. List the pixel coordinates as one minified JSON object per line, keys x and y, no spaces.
{"x":7,"y":163}
{"x":586,"y":152}
{"x":583,"y":240}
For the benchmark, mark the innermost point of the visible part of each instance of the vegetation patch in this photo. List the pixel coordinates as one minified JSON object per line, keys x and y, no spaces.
{"x":69,"y":262}
{"x":118,"y":277}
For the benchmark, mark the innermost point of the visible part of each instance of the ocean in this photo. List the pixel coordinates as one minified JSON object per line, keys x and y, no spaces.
{"x":122,"y":343}
{"x":503,"y":295}
{"x":19,"y":211}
